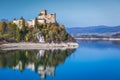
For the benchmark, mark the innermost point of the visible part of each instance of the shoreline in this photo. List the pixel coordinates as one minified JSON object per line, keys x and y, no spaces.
{"x":30,"y":45}
{"x":103,"y":39}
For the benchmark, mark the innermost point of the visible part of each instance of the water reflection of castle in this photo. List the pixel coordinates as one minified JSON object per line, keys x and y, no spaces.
{"x":43,"y":62}
{"x":41,"y":69}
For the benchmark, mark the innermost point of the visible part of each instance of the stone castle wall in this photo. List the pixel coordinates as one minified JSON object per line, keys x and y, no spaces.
{"x":49,"y":18}
{"x":43,"y":17}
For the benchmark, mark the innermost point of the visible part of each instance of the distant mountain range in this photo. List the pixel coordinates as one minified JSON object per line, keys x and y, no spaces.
{"x":93,"y":29}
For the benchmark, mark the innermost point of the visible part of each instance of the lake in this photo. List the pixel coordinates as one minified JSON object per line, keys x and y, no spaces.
{"x":92,"y":60}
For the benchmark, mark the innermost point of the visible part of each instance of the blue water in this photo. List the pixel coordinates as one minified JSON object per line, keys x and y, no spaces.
{"x":90,"y":61}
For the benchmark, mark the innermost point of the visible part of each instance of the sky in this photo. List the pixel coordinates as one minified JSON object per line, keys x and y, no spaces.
{"x":71,"y":13}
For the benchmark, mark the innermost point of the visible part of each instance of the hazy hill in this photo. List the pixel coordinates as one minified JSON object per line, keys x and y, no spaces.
{"x":93,"y":29}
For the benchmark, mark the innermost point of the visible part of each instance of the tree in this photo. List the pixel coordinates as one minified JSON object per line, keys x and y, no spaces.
{"x":62,"y":27}
{"x":23,"y":31}
{"x":26,"y":38}
{"x":11,"y":30}
{"x":23,"y":24}
{"x":63,"y":34}
{"x":36,"y":23}
{"x":17,"y":34}
{"x":51,"y":35}
{"x":3,"y":27}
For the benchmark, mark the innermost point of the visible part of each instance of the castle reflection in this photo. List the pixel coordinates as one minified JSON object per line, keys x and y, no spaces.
{"x":43,"y":62}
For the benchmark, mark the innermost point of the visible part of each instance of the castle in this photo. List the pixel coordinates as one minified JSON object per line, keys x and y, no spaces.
{"x":42,"y":18}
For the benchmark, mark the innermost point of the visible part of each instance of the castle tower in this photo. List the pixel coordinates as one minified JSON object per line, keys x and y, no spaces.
{"x":54,"y":18}
{"x":43,"y":17}
{"x":51,"y":18}
{"x":43,"y":12}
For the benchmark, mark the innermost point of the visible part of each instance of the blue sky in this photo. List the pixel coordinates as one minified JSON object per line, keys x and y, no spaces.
{"x":72,"y":13}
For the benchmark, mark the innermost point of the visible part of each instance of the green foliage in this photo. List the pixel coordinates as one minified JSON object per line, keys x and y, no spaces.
{"x":17,"y":36}
{"x":36,"y":23}
{"x":13,"y":31}
{"x":52,"y":32}
{"x":23,"y":24}
{"x":3,"y":27}
{"x":4,"y":35}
